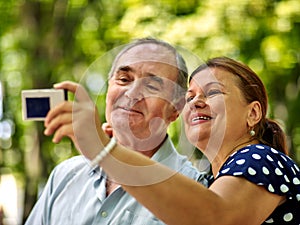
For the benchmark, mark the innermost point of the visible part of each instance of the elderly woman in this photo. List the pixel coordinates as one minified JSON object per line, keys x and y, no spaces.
{"x":255,"y":182}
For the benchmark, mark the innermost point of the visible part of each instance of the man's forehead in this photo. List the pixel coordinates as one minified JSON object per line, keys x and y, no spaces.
{"x":148,"y":53}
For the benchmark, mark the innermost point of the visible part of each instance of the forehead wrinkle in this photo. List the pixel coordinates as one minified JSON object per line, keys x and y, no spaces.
{"x":148,"y":52}
{"x":152,"y":76}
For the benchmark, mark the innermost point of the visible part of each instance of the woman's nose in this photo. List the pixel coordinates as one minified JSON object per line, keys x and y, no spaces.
{"x":198,"y":101}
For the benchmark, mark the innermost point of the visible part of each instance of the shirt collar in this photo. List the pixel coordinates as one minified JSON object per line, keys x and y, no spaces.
{"x":166,"y":155}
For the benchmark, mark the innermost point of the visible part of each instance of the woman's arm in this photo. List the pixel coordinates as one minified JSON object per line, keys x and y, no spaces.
{"x":172,"y":197}
{"x":176,"y":199}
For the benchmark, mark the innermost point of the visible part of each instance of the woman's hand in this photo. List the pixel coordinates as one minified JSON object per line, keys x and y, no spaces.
{"x":77,"y":120}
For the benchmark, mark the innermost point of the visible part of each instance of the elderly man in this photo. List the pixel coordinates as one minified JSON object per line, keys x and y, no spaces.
{"x":145,"y":94}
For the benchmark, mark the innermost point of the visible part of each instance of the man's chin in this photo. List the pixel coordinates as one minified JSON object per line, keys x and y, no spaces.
{"x":139,"y":141}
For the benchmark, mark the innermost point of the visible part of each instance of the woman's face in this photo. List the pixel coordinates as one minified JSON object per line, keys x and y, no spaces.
{"x":216,"y":111}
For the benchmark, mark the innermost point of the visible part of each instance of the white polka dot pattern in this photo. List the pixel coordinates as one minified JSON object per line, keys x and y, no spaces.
{"x":251,"y":171}
{"x":275,"y":171}
{"x":284,"y":188}
{"x":270,"y":158}
{"x":265,"y":170}
{"x":296,"y":181}
{"x":240,"y":162}
{"x":256,"y":156}
{"x":270,"y":188}
{"x":288,"y":217}
{"x":278,"y":172}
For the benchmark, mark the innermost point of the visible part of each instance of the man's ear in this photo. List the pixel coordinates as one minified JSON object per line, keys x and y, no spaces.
{"x":254,"y":113}
{"x":107,"y":129}
{"x":177,"y":108}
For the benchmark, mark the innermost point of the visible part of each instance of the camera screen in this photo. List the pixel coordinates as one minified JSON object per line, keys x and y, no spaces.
{"x":37,"y":107}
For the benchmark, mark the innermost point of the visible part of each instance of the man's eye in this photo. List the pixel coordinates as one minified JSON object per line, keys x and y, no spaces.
{"x":152,"y":87}
{"x":122,"y":80}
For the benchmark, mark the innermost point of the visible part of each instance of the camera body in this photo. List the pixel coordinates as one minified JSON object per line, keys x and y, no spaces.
{"x":37,"y":102}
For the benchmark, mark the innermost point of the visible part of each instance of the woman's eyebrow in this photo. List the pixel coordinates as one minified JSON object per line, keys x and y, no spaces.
{"x":210,"y":84}
{"x":215,"y":82}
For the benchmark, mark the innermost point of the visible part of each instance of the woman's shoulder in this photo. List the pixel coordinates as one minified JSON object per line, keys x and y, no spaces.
{"x":259,"y":154}
{"x":272,"y":169}
{"x":265,"y":166}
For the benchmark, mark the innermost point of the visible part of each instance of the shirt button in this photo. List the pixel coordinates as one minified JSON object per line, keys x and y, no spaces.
{"x":104,"y":214}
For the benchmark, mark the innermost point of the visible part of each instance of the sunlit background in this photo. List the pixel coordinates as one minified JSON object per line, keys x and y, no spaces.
{"x":44,"y":42}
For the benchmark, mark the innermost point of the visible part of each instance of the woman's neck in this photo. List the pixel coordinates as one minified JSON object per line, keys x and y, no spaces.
{"x":225,"y":152}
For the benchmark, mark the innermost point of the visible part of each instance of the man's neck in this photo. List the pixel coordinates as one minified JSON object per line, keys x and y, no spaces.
{"x":138,"y":146}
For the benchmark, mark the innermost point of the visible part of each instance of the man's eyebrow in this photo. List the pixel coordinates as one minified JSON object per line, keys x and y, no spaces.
{"x":155,"y":78}
{"x":125,"y":68}
{"x":152,"y":76}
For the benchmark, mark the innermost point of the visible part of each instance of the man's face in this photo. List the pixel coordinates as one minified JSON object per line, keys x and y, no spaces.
{"x":139,"y":98}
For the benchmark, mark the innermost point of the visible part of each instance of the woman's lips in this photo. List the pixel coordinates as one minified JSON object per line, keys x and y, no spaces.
{"x":199,"y":118}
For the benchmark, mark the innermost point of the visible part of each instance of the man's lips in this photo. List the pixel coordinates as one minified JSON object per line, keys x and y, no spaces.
{"x":130,"y":110}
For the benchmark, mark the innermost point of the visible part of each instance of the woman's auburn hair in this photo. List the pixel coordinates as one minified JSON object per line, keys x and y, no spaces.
{"x":267,"y":131}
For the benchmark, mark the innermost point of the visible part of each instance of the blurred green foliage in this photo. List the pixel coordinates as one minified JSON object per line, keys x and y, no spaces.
{"x":44,"y":42}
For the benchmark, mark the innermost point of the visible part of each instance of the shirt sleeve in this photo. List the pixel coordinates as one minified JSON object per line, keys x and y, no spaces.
{"x":38,"y":215}
{"x":41,"y":211}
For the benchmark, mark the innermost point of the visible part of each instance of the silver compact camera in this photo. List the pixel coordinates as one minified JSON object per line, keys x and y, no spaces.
{"x":37,"y":102}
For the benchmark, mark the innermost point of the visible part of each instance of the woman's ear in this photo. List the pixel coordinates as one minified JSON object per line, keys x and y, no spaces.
{"x":254,"y":114}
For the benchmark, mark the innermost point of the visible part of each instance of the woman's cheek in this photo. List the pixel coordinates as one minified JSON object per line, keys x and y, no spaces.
{"x":217,"y":105}
{"x":185,"y":112}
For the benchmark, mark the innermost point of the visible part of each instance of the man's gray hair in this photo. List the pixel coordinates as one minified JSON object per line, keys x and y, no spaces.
{"x":182,"y":78}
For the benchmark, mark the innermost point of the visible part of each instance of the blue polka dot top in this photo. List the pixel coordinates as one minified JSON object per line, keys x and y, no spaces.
{"x":265,"y":166}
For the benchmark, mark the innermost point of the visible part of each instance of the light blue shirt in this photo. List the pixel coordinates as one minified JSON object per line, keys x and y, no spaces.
{"x":76,"y":194}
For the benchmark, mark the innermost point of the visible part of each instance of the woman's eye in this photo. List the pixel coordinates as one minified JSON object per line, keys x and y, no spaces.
{"x":189,"y":99}
{"x":214,"y":92}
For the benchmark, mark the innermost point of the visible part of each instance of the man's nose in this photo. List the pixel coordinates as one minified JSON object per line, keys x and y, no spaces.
{"x":135,"y":91}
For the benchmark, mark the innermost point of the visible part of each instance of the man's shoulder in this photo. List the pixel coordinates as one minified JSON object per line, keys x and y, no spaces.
{"x":72,"y":165}
{"x":73,"y":161}
{"x":183,"y":164}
